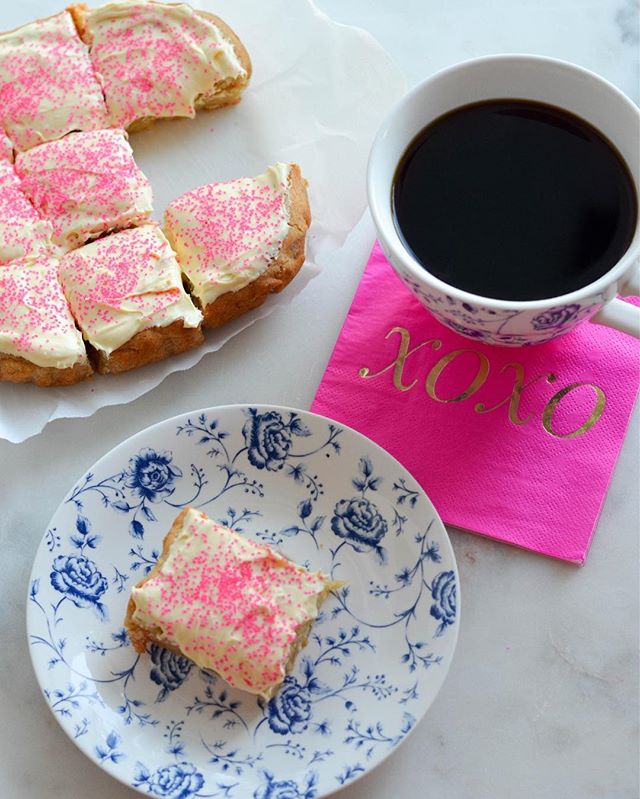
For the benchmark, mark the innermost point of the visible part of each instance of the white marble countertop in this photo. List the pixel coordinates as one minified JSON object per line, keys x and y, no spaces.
{"x":542,"y":697}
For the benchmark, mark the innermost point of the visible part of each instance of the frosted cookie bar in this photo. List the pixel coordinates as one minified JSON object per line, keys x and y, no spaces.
{"x":85,"y":184}
{"x":39,"y":342}
{"x":126,"y":294}
{"x":231,"y":605}
{"x":237,"y":242}
{"x":6,"y":149}
{"x":162,"y":60}
{"x":22,"y":231}
{"x":48,"y":86}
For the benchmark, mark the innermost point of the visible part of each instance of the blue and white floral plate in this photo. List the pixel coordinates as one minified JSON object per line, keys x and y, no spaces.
{"x":324,"y":495}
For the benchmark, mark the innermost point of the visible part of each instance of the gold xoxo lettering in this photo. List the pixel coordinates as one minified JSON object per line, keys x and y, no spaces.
{"x":397,"y":364}
{"x":550,"y":407}
{"x":436,"y":371}
{"x":513,"y":399}
{"x":516,"y":394}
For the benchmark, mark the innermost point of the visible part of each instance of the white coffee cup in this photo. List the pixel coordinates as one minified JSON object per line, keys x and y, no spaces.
{"x":525,"y":77}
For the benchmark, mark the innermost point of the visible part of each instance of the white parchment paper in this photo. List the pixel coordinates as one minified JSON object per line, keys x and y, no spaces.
{"x":318,"y":93}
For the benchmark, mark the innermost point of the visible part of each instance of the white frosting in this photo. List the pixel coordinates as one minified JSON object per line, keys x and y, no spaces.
{"x":22,"y":231}
{"x":6,"y":148}
{"x":125,"y":283}
{"x":228,"y":603}
{"x":155,"y":59}
{"x":47,"y":84}
{"x":85,"y":184}
{"x":227,"y":234}
{"x":35,"y":321}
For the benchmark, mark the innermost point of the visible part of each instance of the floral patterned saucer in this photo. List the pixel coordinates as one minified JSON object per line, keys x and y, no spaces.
{"x":327,"y":497}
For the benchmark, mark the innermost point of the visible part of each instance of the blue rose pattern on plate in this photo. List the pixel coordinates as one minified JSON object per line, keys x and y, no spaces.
{"x":357,"y":520}
{"x":326,"y":497}
{"x":80,"y":581}
{"x":290,"y":710}
{"x":152,"y":475}
{"x":285,"y":789}
{"x":169,"y":670}
{"x":443,"y":591}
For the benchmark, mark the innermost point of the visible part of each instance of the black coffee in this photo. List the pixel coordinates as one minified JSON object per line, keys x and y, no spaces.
{"x":514,"y":200}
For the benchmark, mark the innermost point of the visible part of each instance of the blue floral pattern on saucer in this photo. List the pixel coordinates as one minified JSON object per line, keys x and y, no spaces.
{"x":323,"y":495}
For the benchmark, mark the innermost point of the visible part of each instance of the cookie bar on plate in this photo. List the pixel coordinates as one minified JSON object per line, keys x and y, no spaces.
{"x":48,"y":86}
{"x":239,"y":241}
{"x":39,"y":342}
{"x":162,"y":60}
{"x":22,"y":231}
{"x":85,"y":184}
{"x":125,"y":291}
{"x":231,"y":605}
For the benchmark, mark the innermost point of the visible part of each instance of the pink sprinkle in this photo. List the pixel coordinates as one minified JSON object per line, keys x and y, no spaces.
{"x":230,"y":597}
{"x":22,"y":231}
{"x":122,"y":268}
{"x":166,"y":59}
{"x":85,"y":184}
{"x":45,"y":66}
{"x":214,"y":229}
{"x":30,"y":318}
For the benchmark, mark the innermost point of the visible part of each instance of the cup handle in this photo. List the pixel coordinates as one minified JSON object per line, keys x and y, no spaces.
{"x":622,"y":315}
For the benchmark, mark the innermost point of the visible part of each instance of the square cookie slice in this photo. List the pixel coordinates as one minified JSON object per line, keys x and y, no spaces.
{"x":48,"y":86}
{"x":85,"y":184}
{"x":39,"y":342}
{"x":162,"y":60}
{"x":239,"y":241}
{"x":126,"y":293}
{"x":231,"y":605}
{"x":22,"y":231}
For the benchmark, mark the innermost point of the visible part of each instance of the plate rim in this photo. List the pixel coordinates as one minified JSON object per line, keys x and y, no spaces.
{"x":243,"y":406}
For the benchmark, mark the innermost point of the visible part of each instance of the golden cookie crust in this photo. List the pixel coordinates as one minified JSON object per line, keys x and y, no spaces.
{"x":148,"y":346}
{"x":14,"y":369}
{"x":280,"y":272}
{"x":78,"y":13}
{"x":139,"y":636}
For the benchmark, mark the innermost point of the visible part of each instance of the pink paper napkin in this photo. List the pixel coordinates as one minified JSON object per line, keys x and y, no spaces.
{"x":514,"y":444}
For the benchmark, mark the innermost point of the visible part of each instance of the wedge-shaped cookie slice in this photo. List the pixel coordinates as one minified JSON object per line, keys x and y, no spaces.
{"x":162,"y":60}
{"x":239,"y":241}
{"x":126,"y":294}
{"x":22,"y":231}
{"x":231,"y":605}
{"x":48,"y":86}
{"x":85,"y":184}
{"x":39,"y":342}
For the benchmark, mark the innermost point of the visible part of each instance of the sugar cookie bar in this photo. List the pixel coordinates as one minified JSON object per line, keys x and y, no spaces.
{"x":126,"y":294}
{"x":6,"y":149}
{"x":162,"y":60}
{"x":85,"y":184}
{"x":39,"y":342}
{"x":239,"y":241}
{"x":48,"y":86}
{"x":22,"y":231}
{"x":231,"y":605}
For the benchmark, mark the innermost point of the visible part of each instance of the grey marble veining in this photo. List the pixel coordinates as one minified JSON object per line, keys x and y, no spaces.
{"x":628,"y":19}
